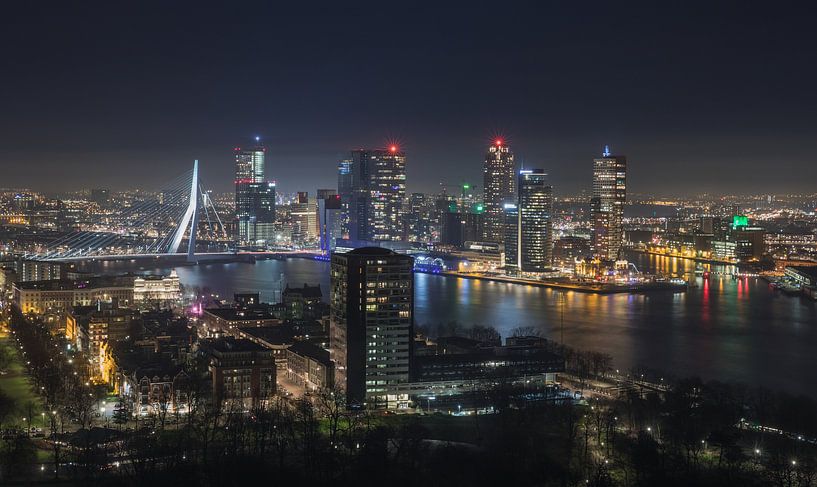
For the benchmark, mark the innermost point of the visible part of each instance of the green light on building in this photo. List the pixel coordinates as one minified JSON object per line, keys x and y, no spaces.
{"x":466,"y":186}
{"x":740,"y":221}
{"x":479,"y":208}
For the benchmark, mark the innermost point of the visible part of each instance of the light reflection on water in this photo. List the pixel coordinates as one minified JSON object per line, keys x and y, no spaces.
{"x":726,"y":328}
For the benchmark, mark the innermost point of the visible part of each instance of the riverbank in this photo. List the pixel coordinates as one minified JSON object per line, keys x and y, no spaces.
{"x":702,"y":260}
{"x":595,"y":288}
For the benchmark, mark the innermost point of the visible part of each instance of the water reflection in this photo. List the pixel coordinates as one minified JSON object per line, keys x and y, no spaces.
{"x":725,"y":328}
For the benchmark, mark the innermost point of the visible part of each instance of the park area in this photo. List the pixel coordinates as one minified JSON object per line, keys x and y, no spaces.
{"x":18,"y":402}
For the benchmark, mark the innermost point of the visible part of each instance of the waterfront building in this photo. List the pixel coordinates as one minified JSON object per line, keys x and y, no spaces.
{"x":330,"y":220}
{"x":376,"y":189}
{"x":304,"y":215}
{"x":254,"y":197}
{"x":749,"y":243}
{"x":458,"y":228}
{"x":59,"y":295}
{"x":511,"y":236}
{"x":157,"y":291}
{"x":569,"y":248}
{"x":36,"y":270}
{"x":345,"y":191}
{"x":371,"y":325}
{"x":607,"y":204}
{"x":478,"y":361}
{"x":498,"y":189}
{"x":529,"y":240}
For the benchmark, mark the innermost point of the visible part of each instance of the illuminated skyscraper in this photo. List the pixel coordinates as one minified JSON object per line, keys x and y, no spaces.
{"x":498,"y":189}
{"x":607,"y":204}
{"x":304,"y":215}
{"x":345,"y":191}
{"x":254,"y":197}
{"x":378,"y":187}
{"x":529,"y":234}
{"x":371,"y":320}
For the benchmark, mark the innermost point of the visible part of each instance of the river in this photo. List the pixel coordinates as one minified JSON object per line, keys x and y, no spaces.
{"x":731,"y":329}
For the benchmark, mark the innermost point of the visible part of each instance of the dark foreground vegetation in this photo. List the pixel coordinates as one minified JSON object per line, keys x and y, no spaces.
{"x":685,"y":433}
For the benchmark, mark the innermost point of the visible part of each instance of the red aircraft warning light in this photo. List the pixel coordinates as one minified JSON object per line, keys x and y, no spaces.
{"x":393,"y":148}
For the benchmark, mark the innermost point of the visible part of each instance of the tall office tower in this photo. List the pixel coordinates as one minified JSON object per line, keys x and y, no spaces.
{"x":534,"y":228}
{"x":498,"y":189}
{"x":262,"y":224}
{"x":304,"y":214}
{"x":254,"y":197}
{"x":607,"y":204}
{"x":345,"y":190}
{"x":372,"y":325}
{"x":510,"y":218}
{"x":378,"y":182}
{"x":329,"y":219}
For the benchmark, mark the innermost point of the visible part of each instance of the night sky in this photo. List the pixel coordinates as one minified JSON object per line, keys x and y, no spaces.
{"x":699,"y":96}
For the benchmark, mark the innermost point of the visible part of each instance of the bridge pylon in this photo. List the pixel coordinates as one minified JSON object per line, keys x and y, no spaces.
{"x":190,"y":218}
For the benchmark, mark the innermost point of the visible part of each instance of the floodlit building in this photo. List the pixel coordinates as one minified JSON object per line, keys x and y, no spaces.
{"x":157,"y":291}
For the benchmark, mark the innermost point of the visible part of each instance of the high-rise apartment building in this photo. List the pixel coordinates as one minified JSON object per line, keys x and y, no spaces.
{"x":498,"y":189}
{"x":254,"y":197}
{"x":371,"y":325}
{"x":529,"y":236}
{"x":375,"y":187}
{"x":607,"y":204}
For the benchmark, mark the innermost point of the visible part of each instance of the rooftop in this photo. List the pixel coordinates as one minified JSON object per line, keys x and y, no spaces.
{"x":372,"y":251}
{"x":230,"y":344}
{"x":307,"y":291}
{"x":74,"y":284}
{"x":312,"y":351}
{"x":275,"y":335}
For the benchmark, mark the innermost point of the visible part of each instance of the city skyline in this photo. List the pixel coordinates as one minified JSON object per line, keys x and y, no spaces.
{"x":162,"y":100}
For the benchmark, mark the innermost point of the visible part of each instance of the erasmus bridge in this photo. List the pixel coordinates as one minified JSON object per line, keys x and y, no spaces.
{"x":171,"y":222}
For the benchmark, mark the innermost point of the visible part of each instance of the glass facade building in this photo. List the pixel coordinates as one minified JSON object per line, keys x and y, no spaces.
{"x":498,"y":189}
{"x":529,"y":225}
{"x":254,"y":197}
{"x":374,"y":185}
{"x":607,"y":204}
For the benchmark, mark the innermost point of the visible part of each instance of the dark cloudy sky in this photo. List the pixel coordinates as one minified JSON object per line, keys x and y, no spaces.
{"x":699,"y":96}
